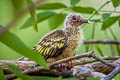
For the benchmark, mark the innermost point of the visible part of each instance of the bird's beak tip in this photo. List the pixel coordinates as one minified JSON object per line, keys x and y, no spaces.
{"x":88,"y":22}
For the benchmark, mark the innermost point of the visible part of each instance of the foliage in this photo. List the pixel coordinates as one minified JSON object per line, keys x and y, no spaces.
{"x":40,"y":17}
{"x":2,"y":77}
{"x":12,"y":41}
{"x":51,"y":6}
{"x":111,"y":20}
{"x":17,"y":71}
{"x":55,"y":13}
{"x":33,"y":14}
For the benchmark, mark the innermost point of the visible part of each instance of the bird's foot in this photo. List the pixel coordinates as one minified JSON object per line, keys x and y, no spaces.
{"x":65,"y":66}
{"x":61,"y":67}
{"x":70,"y":65}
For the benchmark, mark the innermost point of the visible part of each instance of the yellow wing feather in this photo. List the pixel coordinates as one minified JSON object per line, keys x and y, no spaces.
{"x":50,"y":47}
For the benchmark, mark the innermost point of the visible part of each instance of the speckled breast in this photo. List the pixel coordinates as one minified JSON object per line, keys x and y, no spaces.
{"x":73,"y":43}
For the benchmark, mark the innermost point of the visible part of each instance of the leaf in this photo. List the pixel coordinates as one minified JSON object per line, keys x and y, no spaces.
{"x":105,"y":16}
{"x":2,"y":77}
{"x":56,"y":20}
{"x":119,"y":22}
{"x":51,"y":6}
{"x":18,"y":4}
{"x":87,"y":10}
{"x":110,"y":21}
{"x":40,"y":17}
{"x":116,"y":3}
{"x":33,"y":15}
{"x":12,"y":41}
{"x":92,"y":78}
{"x":43,"y":78}
{"x":0,"y":25}
{"x":74,"y":2}
{"x":17,"y":71}
{"x":99,"y":50}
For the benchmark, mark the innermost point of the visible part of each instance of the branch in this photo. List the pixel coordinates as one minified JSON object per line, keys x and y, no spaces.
{"x":28,"y":66}
{"x":104,"y":41}
{"x":103,"y":61}
{"x":39,"y":68}
{"x":84,"y":61}
{"x":88,"y":54}
{"x":112,"y":74}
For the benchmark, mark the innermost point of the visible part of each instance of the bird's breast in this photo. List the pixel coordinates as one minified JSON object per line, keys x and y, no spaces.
{"x":73,"y":43}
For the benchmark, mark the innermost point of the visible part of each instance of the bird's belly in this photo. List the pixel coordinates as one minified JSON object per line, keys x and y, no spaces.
{"x":70,"y":49}
{"x":68,"y":52}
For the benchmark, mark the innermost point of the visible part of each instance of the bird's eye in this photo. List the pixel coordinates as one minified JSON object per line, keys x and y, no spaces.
{"x":73,"y":18}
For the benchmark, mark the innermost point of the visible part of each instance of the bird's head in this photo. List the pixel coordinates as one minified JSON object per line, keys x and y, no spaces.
{"x":74,"y":20}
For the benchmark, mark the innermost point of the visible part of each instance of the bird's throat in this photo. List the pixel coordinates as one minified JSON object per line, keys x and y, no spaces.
{"x":72,"y":31}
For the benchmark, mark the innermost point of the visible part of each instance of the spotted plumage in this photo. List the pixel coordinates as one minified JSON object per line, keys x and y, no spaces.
{"x":61,"y":44}
{"x":52,"y":45}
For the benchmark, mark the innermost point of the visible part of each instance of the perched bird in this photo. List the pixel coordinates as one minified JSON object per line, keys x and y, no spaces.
{"x":63,"y":43}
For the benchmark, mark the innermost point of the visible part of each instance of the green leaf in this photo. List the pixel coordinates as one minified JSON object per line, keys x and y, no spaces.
{"x":33,"y":15}
{"x":116,"y":3}
{"x":56,"y":20}
{"x":0,"y":25}
{"x":99,"y":50}
{"x":18,"y":4}
{"x":51,"y":6}
{"x":74,"y":2}
{"x":105,"y":16}
{"x":119,"y":22}
{"x":43,"y":78}
{"x":40,"y":17}
{"x":19,"y":74}
{"x":87,"y":10}
{"x":92,"y":78}
{"x":110,"y":21}
{"x":12,"y":41}
{"x":2,"y":77}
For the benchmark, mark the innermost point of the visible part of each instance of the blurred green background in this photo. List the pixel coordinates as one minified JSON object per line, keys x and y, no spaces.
{"x":31,"y":37}
{"x":95,"y":30}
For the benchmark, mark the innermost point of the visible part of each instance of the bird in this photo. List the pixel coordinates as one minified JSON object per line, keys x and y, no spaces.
{"x":62,"y":43}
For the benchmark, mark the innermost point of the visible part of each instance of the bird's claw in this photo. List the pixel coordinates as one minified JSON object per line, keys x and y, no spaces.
{"x":63,"y":66}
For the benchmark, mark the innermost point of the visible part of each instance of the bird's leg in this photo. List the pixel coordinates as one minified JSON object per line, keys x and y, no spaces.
{"x":61,"y":67}
{"x":64,"y":66}
{"x":70,"y":65}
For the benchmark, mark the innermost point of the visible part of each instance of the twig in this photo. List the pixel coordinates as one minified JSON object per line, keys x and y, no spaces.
{"x":18,"y":16}
{"x":39,"y":68}
{"x":109,"y":11}
{"x":72,"y":58}
{"x":99,"y":9}
{"x":84,"y":61}
{"x":24,"y":65}
{"x":104,"y":41}
{"x":103,"y":61}
{"x":112,"y":74}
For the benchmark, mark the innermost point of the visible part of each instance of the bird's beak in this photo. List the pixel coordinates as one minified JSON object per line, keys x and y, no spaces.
{"x":85,"y":21}
{"x":81,"y":22}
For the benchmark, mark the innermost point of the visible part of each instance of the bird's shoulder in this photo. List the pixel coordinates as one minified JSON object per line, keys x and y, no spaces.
{"x":55,"y":33}
{"x":52,"y":44}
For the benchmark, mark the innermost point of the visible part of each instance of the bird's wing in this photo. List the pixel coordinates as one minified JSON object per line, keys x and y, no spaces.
{"x":52,"y":45}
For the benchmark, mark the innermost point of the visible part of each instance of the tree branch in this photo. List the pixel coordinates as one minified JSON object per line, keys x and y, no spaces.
{"x":28,"y":66}
{"x":112,"y":74}
{"x":104,"y":41}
